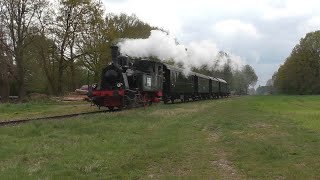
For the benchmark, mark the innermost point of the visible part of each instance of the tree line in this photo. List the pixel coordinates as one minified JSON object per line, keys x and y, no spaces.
{"x":300,"y":73}
{"x":50,"y":46}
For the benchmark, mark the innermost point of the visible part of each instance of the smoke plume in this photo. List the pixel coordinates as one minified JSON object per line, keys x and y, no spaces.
{"x":164,"y":47}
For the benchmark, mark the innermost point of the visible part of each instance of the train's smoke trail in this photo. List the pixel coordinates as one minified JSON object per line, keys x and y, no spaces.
{"x":164,"y":47}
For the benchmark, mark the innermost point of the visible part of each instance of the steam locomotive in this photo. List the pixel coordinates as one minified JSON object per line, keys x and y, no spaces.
{"x":130,"y":83}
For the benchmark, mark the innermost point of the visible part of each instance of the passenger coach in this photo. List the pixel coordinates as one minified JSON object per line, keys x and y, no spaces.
{"x":193,"y":86}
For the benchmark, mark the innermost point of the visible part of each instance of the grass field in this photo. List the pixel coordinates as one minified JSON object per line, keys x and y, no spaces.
{"x":262,"y":137}
{"x":42,"y":109}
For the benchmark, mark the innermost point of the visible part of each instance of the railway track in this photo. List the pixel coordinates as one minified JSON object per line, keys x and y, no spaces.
{"x":21,"y":121}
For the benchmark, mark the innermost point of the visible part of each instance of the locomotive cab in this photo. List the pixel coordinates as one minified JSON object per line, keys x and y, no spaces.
{"x":149,"y":75}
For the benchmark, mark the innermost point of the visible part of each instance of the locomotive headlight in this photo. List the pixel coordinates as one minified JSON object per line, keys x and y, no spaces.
{"x":119,"y":85}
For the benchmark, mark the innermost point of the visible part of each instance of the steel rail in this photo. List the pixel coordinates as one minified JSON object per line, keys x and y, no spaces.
{"x":57,"y":117}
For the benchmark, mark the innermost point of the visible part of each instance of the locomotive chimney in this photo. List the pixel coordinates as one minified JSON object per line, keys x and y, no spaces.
{"x":114,"y":53}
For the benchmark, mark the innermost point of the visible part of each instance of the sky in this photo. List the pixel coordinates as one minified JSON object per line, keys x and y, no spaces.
{"x":261,"y":32}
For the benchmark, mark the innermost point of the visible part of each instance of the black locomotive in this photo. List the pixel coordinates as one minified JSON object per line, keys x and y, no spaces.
{"x":133,"y":82}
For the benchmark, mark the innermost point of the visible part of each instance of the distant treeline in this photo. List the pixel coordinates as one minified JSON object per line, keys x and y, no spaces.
{"x":50,"y":46}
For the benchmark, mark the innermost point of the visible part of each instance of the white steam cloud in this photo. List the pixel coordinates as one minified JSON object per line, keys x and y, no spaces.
{"x":163,"y":46}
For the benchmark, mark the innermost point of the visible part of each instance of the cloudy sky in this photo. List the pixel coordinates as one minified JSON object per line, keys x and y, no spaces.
{"x":261,"y":32}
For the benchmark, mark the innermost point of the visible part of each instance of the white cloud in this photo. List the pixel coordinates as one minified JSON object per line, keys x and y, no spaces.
{"x":279,"y":13}
{"x":233,"y":27}
{"x":289,"y":9}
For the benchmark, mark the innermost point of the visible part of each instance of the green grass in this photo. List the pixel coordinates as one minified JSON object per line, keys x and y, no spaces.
{"x":304,"y":109}
{"x":41,"y":109}
{"x":263,"y":137}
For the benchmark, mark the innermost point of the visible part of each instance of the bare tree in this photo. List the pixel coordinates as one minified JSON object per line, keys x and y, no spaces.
{"x":19,"y":17}
{"x":93,"y":41}
{"x":70,"y":21}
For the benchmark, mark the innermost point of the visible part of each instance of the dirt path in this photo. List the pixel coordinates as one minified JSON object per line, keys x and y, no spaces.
{"x":225,"y":167}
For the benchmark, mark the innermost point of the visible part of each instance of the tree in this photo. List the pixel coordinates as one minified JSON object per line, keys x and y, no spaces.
{"x":301,"y":70}
{"x":227,"y":72}
{"x":19,"y":16}
{"x":51,"y":53}
{"x":124,"y":26}
{"x":250,"y":76}
{"x":264,"y":90}
{"x":269,"y":87}
{"x":239,"y":85}
{"x":243,"y":79}
{"x":70,"y":21}
{"x":42,"y":69}
{"x":102,"y":33}
{"x":93,"y":42}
